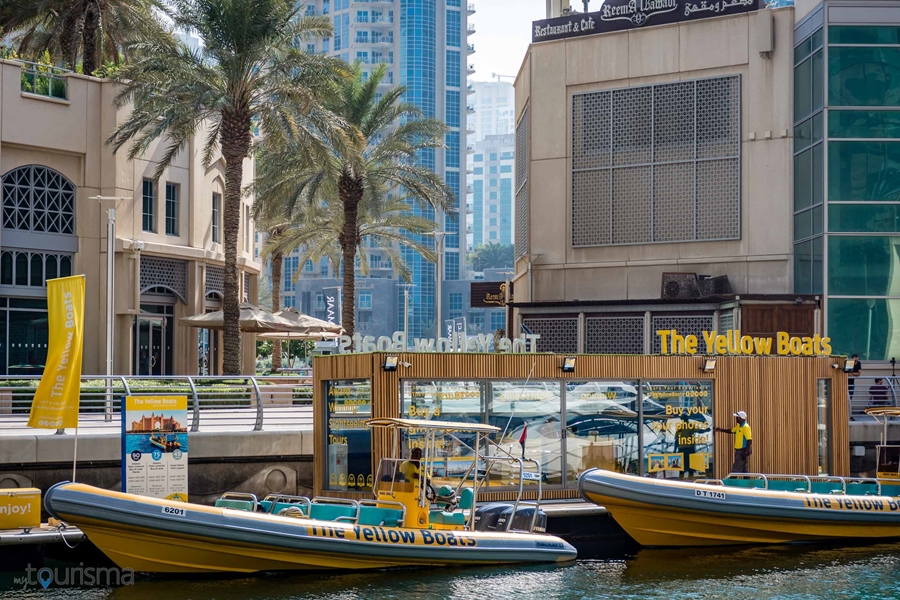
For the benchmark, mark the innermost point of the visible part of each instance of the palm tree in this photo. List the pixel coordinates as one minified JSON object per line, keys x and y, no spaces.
{"x":382,"y":158}
{"x":249,"y":70}
{"x":492,"y":256}
{"x":97,"y":30}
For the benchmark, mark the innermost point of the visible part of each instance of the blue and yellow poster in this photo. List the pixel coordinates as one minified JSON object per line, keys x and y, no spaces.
{"x":155,"y":446}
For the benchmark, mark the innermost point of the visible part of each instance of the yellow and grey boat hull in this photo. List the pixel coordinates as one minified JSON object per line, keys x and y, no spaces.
{"x":664,"y":513}
{"x":163,"y":536}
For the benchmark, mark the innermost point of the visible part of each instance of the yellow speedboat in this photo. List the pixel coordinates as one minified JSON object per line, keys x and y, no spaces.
{"x":397,"y":528}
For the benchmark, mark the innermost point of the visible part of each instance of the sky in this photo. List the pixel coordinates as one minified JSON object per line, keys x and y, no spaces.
{"x":502,"y":34}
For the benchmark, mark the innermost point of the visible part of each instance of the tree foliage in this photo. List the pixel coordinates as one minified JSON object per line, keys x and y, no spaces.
{"x":492,"y":256}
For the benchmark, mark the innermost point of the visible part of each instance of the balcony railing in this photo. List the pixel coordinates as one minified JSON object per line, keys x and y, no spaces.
{"x":470,"y":69}
{"x":470,"y":8}
{"x":471,"y":48}
{"x":214,"y":403}
{"x":44,"y":80}
{"x":470,"y":29}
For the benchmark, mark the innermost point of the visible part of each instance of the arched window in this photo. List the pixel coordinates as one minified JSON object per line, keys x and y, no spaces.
{"x":37,"y":198}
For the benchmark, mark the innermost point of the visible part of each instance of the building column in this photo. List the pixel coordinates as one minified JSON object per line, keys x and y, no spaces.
{"x":648,"y":334}
{"x":582,"y":332}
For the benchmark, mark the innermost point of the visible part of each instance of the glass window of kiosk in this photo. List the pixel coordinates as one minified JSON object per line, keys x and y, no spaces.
{"x":348,"y":463}
{"x":823,"y":424}
{"x":528,"y":414}
{"x":456,"y":401}
{"x":601,"y":427}
{"x":677,"y":424}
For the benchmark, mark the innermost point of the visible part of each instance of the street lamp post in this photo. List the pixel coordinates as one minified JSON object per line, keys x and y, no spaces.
{"x":110,"y":293}
{"x":406,"y":287}
{"x":439,"y":276}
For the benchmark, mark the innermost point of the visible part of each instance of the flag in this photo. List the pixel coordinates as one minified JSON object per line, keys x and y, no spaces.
{"x":56,"y":400}
{"x":522,"y":438}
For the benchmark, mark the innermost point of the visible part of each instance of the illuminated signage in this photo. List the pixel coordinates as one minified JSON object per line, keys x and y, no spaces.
{"x":732,"y":342}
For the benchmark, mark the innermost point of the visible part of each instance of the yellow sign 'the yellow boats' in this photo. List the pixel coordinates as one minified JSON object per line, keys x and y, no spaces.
{"x":732,"y":342}
{"x":56,"y":400}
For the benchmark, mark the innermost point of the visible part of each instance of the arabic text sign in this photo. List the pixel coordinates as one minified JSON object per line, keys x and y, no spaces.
{"x":155,"y":446}
{"x":616,"y":15}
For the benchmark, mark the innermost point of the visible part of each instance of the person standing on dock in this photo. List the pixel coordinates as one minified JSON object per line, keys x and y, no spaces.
{"x":743,"y":442}
{"x":851,"y":378}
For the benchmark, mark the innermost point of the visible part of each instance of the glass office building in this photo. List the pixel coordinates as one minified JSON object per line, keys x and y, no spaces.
{"x":424,"y":44}
{"x":847,"y":172}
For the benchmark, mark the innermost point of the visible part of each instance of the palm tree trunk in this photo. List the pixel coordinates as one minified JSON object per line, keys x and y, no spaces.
{"x":68,"y":38}
{"x":350,"y":190}
{"x":277,"y":262}
{"x":90,"y":60}
{"x":235,"y":138}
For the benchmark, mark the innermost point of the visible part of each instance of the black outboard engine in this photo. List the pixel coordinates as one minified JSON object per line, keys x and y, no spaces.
{"x":486,"y":516}
{"x":521,"y":521}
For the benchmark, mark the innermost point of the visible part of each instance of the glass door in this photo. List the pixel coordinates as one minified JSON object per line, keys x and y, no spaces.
{"x":150,"y":345}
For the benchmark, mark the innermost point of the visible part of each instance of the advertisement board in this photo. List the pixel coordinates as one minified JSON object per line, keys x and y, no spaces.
{"x":155,"y":446}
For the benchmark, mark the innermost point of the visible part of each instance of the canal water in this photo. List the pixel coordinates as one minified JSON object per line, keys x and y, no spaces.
{"x":789,"y":572}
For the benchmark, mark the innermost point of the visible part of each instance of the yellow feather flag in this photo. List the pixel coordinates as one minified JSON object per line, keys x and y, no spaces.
{"x":55,"y":404}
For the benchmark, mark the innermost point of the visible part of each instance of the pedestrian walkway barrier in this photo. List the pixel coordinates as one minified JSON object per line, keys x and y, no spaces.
{"x":870,"y":391}
{"x":215,"y":403}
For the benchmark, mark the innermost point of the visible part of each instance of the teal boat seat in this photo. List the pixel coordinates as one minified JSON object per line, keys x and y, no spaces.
{"x":745,"y":483}
{"x":280,"y":506}
{"x":465,"y":498}
{"x":386,"y":517}
{"x":827,"y":487}
{"x":787,"y":486}
{"x":862,"y":489}
{"x":331,"y":512}
{"x":440,"y":517}
{"x":234,"y":504}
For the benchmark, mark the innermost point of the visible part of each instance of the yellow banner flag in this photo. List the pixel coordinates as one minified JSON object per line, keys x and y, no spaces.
{"x":55,"y":404}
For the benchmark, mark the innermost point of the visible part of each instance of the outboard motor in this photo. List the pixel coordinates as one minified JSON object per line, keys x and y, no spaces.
{"x":486,"y":516}
{"x":521,"y":521}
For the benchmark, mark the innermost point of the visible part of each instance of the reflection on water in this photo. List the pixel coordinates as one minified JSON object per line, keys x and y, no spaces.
{"x":769,"y":572}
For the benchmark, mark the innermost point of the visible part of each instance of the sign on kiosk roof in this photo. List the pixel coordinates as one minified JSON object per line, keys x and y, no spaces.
{"x":617,"y":15}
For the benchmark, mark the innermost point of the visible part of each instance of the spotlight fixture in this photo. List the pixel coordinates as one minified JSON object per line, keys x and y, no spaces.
{"x":391,"y":362}
{"x":849,"y":363}
{"x":709,"y":365}
{"x":568,"y":365}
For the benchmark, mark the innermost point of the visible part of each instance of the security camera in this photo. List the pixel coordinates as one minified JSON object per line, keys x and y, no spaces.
{"x":835,"y":366}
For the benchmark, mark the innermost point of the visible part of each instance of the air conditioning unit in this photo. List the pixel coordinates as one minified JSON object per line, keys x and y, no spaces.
{"x":680,"y":286}
{"x":714,"y":286}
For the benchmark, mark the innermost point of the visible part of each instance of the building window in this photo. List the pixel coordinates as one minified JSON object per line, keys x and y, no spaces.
{"x":456,"y":301}
{"x":453,"y":69}
{"x":365,"y":300}
{"x":454,"y":30}
{"x":172,"y":208}
{"x":38,"y":199}
{"x":498,"y":320}
{"x":657,"y":163}
{"x":32,"y":269}
{"x":148,"y":221}
{"x":216,"y":209}
{"x":309,"y":267}
{"x":320,"y":301}
{"x":248,"y":226}
{"x":506,"y":168}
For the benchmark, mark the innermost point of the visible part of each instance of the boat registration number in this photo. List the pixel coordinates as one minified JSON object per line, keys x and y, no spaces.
{"x":710,"y":494}
{"x":173,"y":512}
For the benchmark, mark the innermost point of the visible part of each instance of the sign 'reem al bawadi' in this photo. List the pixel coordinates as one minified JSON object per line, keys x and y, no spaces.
{"x":616,"y":15}
{"x":732,"y":342}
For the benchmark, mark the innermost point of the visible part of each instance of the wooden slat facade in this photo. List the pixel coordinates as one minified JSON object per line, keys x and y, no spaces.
{"x":778,"y":393}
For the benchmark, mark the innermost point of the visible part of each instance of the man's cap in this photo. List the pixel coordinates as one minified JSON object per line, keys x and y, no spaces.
{"x":741,"y":414}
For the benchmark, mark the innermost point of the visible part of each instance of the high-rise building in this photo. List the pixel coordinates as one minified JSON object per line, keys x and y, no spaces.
{"x":492,"y":109}
{"x":493,"y":165}
{"x":424,"y":44}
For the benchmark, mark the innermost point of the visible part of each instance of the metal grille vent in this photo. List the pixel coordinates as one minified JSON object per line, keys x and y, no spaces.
{"x":614,"y":335}
{"x":726,"y":320}
{"x":522,"y":157}
{"x":658,"y":163}
{"x":557,"y":335}
{"x":685,"y":325}
{"x":164,"y":272}
{"x":215,"y":279}
{"x":38,"y":199}
{"x":246,"y":287}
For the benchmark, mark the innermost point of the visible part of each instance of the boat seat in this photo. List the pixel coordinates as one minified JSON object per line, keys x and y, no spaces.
{"x":862,"y":489}
{"x":745,"y":483}
{"x":827,"y":487}
{"x":266,"y":506}
{"x":331,"y":512}
{"x":787,"y":486}
{"x":440,"y":517}
{"x":465,"y":498}
{"x":234,"y":504}
{"x":372,"y":515}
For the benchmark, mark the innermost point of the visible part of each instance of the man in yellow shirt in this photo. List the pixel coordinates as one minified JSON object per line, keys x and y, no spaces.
{"x":743,"y":442}
{"x":410,"y":468}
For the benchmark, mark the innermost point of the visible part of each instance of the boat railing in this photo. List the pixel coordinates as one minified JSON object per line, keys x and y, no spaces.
{"x":753,"y":476}
{"x":277,"y":499}
{"x":245,"y":496}
{"x":709,"y":481}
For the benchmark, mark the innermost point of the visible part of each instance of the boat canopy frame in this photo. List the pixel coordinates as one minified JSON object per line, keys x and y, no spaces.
{"x":433,"y":429}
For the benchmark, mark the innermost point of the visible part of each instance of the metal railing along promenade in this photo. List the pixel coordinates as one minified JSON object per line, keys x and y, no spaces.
{"x":873,"y":390}
{"x":215,"y":403}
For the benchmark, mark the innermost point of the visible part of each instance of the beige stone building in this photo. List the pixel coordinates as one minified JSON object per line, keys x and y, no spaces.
{"x":168,"y":248}
{"x":653,"y":149}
